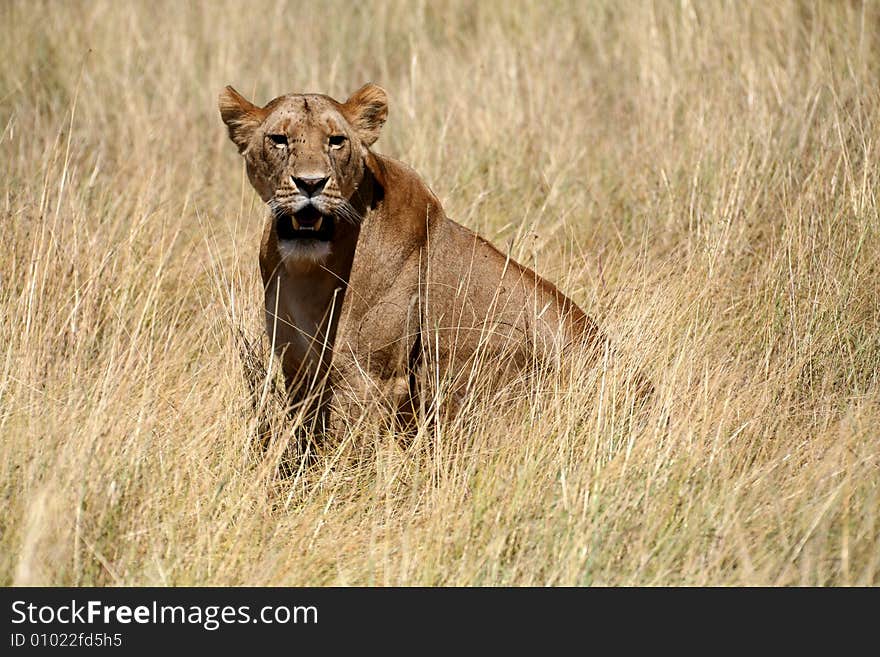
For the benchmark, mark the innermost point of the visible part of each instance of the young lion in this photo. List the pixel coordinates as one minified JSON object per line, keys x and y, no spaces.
{"x":363,"y":270}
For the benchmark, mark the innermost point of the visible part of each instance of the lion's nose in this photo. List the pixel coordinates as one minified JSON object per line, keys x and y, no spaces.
{"x":310,"y":186}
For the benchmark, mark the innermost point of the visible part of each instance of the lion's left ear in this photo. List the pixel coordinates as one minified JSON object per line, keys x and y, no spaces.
{"x":366,"y":111}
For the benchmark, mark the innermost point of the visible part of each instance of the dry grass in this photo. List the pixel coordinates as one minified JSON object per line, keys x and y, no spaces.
{"x":701,"y":177}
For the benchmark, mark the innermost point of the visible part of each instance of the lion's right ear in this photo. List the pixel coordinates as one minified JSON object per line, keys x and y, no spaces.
{"x":241,"y":116}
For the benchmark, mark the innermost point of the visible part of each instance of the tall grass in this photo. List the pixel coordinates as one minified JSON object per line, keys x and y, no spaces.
{"x":700,"y":176}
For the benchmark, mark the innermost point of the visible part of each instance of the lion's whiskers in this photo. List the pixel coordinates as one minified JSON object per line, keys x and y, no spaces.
{"x":346,"y":211}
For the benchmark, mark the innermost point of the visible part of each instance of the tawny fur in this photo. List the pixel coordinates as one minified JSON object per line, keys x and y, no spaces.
{"x":401,"y":286}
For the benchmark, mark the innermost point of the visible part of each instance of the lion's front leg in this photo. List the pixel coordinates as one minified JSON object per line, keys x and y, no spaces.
{"x":373,"y":370}
{"x":365,"y":394}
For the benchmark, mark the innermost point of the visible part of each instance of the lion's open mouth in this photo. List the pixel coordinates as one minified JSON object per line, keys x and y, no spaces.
{"x":308,"y":223}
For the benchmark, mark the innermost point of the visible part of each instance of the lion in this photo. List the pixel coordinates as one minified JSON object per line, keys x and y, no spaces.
{"x":369,"y":286}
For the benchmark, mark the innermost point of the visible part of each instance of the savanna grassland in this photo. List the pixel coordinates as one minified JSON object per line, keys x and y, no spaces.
{"x":701,"y":177}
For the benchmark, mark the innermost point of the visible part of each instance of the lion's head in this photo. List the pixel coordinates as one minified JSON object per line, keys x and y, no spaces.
{"x":306,"y":158}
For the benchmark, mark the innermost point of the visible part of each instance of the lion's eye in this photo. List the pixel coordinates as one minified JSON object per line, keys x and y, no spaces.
{"x":280,"y":141}
{"x":336,"y":141}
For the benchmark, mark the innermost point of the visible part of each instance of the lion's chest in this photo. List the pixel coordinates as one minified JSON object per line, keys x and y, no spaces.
{"x":298,"y":316}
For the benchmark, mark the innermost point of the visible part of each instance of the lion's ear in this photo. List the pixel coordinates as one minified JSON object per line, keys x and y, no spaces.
{"x":367,"y":110}
{"x":241,"y":117}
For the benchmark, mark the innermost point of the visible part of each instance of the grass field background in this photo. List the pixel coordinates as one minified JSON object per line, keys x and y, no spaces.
{"x":701,"y":177}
